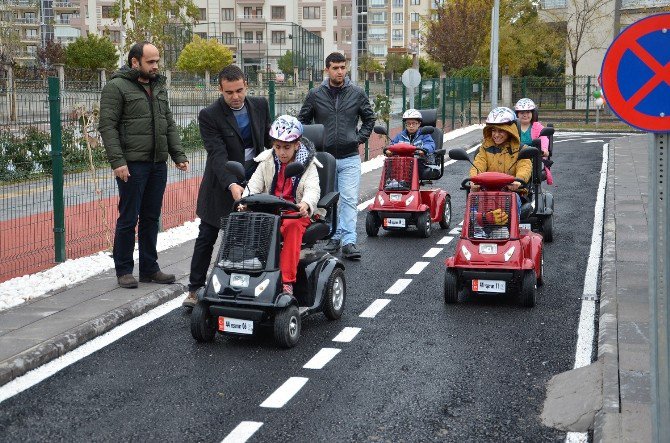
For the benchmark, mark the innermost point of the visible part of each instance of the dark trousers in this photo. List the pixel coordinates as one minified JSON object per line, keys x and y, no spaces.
{"x":202,"y":255}
{"x":140,"y":199}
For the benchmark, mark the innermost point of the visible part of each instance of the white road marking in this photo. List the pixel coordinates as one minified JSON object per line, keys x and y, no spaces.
{"x":243,"y":432}
{"x":285,"y":392}
{"x":322,"y":358}
{"x":455,"y":231}
{"x":417,"y":268}
{"x":375,"y":307}
{"x":365,"y":204}
{"x":398,"y":286}
{"x":586,"y":328}
{"x":445,"y":240}
{"x":593,"y":141}
{"x":347,"y":334}
{"x":40,"y":374}
{"x":432,"y":252}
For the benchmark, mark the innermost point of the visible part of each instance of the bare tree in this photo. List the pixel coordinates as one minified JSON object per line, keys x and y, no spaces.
{"x":583,"y":34}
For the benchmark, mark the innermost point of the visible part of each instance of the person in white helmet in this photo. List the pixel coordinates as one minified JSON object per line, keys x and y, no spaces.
{"x":526,"y":112}
{"x":288,"y":146}
{"x":412,"y":135}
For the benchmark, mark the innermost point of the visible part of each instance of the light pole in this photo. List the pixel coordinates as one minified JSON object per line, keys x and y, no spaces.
{"x":494,"y":53}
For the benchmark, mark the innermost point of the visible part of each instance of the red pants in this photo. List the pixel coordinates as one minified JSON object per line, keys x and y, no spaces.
{"x":291,"y":230}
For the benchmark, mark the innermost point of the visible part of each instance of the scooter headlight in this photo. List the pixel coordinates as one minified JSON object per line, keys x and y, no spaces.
{"x":261,"y":287}
{"x":239,"y":280}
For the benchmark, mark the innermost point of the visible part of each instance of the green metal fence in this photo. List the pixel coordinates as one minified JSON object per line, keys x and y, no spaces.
{"x":58,"y":206}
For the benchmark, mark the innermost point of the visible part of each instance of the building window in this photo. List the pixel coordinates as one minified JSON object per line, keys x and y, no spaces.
{"x":334,"y":11}
{"x":228,"y":38}
{"x":559,"y":4}
{"x":202,"y":35}
{"x":227,"y":14}
{"x":106,"y":11}
{"x":278,"y":13}
{"x":335,"y":36}
{"x":397,"y":35}
{"x":416,"y":34}
{"x":377,"y":34}
{"x":203,"y":13}
{"x":414,"y":17}
{"x":378,"y":50}
{"x":248,"y":36}
{"x":278,"y":37}
{"x":378,"y":18}
{"x":346,"y":35}
{"x":397,"y":3}
{"x":311,"y":12}
{"x":259,"y":36}
{"x":377,"y":3}
{"x":415,"y":2}
{"x":397,"y":18}
{"x":346,"y":11}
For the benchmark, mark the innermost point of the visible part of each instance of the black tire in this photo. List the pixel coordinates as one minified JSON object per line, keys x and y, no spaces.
{"x":287,"y":327}
{"x":423,"y":224}
{"x":548,"y":229}
{"x":540,"y":278}
{"x":372,"y":224}
{"x":450,"y":287}
{"x":203,"y":326}
{"x":334,"y":295}
{"x":527,"y":294}
{"x":446,"y":214}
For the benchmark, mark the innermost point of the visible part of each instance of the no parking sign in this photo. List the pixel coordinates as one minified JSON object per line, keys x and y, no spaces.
{"x":636,"y":74}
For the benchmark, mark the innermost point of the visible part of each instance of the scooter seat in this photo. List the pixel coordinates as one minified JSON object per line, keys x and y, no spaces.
{"x":526,"y":210}
{"x":316,"y":231}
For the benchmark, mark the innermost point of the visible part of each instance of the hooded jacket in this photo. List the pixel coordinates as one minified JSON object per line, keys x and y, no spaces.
{"x":492,"y":158}
{"x":135,"y":125}
{"x":307,"y":190}
{"x":421,"y":141}
{"x":339,"y":115}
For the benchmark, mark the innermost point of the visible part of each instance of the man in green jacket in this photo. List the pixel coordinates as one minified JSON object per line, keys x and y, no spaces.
{"x":138,"y":132}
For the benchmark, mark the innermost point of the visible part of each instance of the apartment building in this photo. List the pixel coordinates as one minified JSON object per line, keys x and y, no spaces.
{"x":610,"y":18}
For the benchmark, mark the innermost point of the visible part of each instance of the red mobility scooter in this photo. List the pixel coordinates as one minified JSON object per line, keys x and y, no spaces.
{"x":401,"y":200}
{"x":494,"y":255}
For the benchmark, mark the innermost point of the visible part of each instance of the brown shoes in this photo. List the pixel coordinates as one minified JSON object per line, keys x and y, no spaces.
{"x":127,"y":281}
{"x":190,"y":300}
{"x":158,"y":277}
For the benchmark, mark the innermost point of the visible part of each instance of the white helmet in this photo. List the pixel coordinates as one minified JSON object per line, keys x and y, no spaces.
{"x":286,"y":128}
{"x":412,"y":114}
{"x":501,"y":115}
{"x":525,"y":104}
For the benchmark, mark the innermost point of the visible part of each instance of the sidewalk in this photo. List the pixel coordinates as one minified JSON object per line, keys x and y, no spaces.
{"x":623,"y":339}
{"x":41,"y":330}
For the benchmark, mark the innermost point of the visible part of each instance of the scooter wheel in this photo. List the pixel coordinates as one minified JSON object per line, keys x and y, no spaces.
{"x":450,"y":287}
{"x":372,"y":224}
{"x":203,"y":328}
{"x":423,"y":224}
{"x":287,"y":327}
{"x":446,"y":214}
{"x":548,"y":229}
{"x":527,"y":294}
{"x":334,"y":295}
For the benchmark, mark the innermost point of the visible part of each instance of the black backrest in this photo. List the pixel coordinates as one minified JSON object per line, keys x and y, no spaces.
{"x":315,"y":134}
{"x":327,"y":173}
{"x":430,"y":119}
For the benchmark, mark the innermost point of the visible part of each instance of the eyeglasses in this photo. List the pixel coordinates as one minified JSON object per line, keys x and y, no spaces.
{"x":408,"y":123}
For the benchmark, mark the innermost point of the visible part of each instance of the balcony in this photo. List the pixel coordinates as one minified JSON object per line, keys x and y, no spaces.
{"x":553,"y":4}
{"x":23,"y":21}
{"x":30,"y":38}
{"x":66,"y":20}
{"x":253,"y":48}
{"x":251,"y":18}
{"x":65,"y":5}
{"x":22,"y":4}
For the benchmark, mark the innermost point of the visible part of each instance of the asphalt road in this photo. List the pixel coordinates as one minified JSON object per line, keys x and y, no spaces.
{"x":417,"y":371}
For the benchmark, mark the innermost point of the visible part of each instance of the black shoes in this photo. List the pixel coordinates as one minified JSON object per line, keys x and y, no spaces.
{"x":350,"y":251}
{"x":332,"y":246}
{"x":127,"y":281}
{"x":158,"y":277}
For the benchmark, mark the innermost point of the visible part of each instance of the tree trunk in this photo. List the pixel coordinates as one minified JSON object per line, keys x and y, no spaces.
{"x":574,"y":84}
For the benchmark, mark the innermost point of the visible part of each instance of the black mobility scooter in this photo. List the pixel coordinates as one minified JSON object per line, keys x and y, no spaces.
{"x":244,"y":289}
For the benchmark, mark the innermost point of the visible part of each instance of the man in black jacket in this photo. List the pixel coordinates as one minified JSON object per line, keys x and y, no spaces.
{"x":233,"y":128}
{"x":338,"y":104}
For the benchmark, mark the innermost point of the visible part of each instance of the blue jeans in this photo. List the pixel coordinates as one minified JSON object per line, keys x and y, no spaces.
{"x":347,"y":183}
{"x":140,"y":198}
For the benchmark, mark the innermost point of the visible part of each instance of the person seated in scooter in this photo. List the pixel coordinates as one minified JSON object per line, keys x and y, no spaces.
{"x":288,"y":146}
{"x":526,"y":112}
{"x":412,"y":135}
{"x":499,"y":151}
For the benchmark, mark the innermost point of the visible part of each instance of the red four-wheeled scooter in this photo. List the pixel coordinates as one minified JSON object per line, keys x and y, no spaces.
{"x":494,"y":255}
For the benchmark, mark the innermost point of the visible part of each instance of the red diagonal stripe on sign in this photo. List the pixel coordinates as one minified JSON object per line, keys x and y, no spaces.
{"x":661,"y":73}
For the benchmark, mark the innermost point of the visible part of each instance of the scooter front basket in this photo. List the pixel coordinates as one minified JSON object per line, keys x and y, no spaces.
{"x":489,"y":215}
{"x":398,"y":173}
{"x":247,"y":241}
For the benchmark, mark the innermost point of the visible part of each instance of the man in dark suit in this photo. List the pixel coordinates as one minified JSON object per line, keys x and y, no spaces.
{"x":233,"y":128}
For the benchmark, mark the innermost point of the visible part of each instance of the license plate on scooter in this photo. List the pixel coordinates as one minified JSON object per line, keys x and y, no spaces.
{"x":236,"y":326}
{"x":394,"y":222}
{"x":495,"y":286}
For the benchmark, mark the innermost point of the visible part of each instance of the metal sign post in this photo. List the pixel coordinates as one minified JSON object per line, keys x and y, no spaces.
{"x":659,"y":287}
{"x":411,"y":78}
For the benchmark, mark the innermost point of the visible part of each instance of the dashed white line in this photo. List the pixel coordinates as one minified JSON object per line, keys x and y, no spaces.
{"x":347,"y":334}
{"x":285,"y":392}
{"x":417,"y":268}
{"x":243,"y":432}
{"x":375,"y":307}
{"x":322,"y":358}
{"x":432,"y":252}
{"x":455,"y":231}
{"x":398,"y":286}
{"x":445,"y":240}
